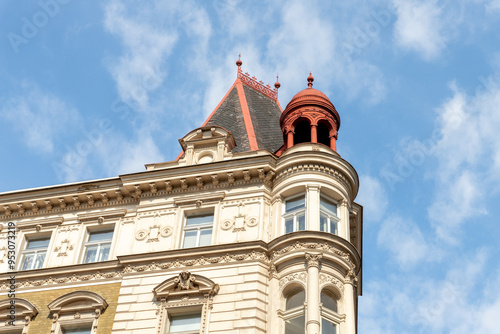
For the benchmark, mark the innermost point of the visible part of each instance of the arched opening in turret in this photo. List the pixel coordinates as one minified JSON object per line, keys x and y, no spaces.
{"x":324,"y":134}
{"x":302,"y":132}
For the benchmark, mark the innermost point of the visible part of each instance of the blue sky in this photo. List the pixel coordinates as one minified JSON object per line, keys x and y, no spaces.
{"x":91,"y":90}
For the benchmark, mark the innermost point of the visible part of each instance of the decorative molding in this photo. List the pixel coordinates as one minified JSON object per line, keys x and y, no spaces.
{"x":314,"y":168}
{"x":228,"y":258}
{"x":326,"y":278}
{"x":83,"y":217}
{"x":211,"y":197}
{"x":312,"y":259}
{"x":42,"y":222}
{"x":257,"y":85}
{"x":302,"y":277}
{"x":153,"y":233}
{"x":312,"y":246}
{"x":63,"y":248}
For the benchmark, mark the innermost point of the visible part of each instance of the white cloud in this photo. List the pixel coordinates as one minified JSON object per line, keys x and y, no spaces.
{"x":468,"y":151}
{"x":39,"y":117}
{"x":149,"y":33}
{"x":403,"y":239}
{"x":373,"y":197}
{"x":425,"y":27}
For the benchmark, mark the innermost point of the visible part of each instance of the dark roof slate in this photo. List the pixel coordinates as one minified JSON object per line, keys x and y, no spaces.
{"x":264,"y":112}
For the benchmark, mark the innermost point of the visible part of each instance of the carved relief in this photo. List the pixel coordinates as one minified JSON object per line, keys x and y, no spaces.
{"x":325,"y":279}
{"x":302,"y":277}
{"x":153,"y":233}
{"x":63,"y":248}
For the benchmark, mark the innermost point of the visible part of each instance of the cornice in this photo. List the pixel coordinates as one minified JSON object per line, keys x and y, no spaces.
{"x":268,"y":254}
{"x":134,"y":191}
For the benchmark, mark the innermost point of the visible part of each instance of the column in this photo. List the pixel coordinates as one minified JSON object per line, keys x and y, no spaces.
{"x":312,"y":203}
{"x":289,"y":139}
{"x":314,"y":133}
{"x":344,"y":228}
{"x":349,"y":282}
{"x":333,"y":143}
{"x":313,"y":316}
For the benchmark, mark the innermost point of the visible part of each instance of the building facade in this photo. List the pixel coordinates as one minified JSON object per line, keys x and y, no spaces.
{"x":253,"y":229}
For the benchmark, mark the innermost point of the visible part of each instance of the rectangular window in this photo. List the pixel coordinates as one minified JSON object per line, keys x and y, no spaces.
{"x":198,"y":230}
{"x":295,"y":214}
{"x":185,"y":324}
{"x":328,"y":327}
{"x":80,"y":329}
{"x":34,"y":254}
{"x":328,"y":219}
{"x":97,"y":246}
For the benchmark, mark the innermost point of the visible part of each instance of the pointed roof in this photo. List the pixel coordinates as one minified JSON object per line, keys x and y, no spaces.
{"x":251,"y":111}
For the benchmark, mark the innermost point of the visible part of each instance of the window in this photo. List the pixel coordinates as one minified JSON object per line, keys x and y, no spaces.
{"x":34,"y":254}
{"x":79,"y":329}
{"x":185,"y":324}
{"x":328,"y":219}
{"x":198,"y":230}
{"x":295,"y":214}
{"x":294,"y":314}
{"x":97,"y":247}
{"x":329,"y":317}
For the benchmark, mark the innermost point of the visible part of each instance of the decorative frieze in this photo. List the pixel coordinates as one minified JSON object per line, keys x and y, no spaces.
{"x":301,"y":277}
{"x":326,"y":278}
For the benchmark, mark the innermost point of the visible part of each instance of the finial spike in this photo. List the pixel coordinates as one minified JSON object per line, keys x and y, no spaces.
{"x":239,"y":62}
{"x":277,"y":84}
{"x":310,"y":80}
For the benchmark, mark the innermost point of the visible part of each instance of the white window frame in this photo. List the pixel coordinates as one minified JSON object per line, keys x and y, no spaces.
{"x":27,"y":251}
{"x":294,"y":312}
{"x":180,"y":312}
{"x":294,"y":213}
{"x":331,"y":315}
{"x":198,"y":228}
{"x":98,"y":243}
{"x":74,"y":323}
{"x":330,"y":216}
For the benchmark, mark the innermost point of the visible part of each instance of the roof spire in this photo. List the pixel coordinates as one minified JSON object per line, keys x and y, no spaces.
{"x":277,"y":84}
{"x":239,"y":62}
{"x":310,"y":80}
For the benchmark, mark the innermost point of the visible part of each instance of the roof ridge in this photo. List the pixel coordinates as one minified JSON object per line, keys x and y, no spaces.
{"x":257,"y":85}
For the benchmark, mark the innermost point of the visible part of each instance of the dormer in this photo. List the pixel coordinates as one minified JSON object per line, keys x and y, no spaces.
{"x":206,"y":144}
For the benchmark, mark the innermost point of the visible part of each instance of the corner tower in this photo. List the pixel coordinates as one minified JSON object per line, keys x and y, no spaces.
{"x":310,"y":116}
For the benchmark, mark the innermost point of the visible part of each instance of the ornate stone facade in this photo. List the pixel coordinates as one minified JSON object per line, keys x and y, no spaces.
{"x":222,"y":237}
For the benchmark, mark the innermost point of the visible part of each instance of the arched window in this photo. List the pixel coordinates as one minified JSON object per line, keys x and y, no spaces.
{"x":330,"y":319}
{"x":323,"y":134}
{"x":294,"y":314}
{"x":302,"y":132}
{"x":16,"y":314}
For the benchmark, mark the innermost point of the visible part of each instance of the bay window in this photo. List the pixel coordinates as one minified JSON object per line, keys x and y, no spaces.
{"x":294,"y":218}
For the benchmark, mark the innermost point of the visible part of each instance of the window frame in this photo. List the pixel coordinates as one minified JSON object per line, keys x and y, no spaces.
{"x":172,"y":313}
{"x":296,"y":312}
{"x":198,"y":228}
{"x":99,"y":243}
{"x":294,"y":213}
{"x":35,"y":251}
{"x":330,"y":315}
{"x":330,"y":216}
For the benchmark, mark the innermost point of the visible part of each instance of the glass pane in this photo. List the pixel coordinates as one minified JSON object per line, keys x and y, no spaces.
{"x":27,"y":261}
{"x":190,"y":238}
{"x":82,"y":329}
{"x":101,"y":236}
{"x":328,"y":205}
{"x":199,"y":220}
{"x":188,"y":322}
{"x":323,"y":223}
{"x":301,"y":221}
{"x":295,"y":299}
{"x":104,"y":253}
{"x":289,"y":225}
{"x":327,"y":327}
{"x":41,"y":243}
{"x":39,"y":258}
{"x":90,"y":254}
{"x":205,"y":236}
{"x":295,"y":325}
{"x":296,"y":203}
{"x":328,"y":300}
{"x":333,"y":227}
